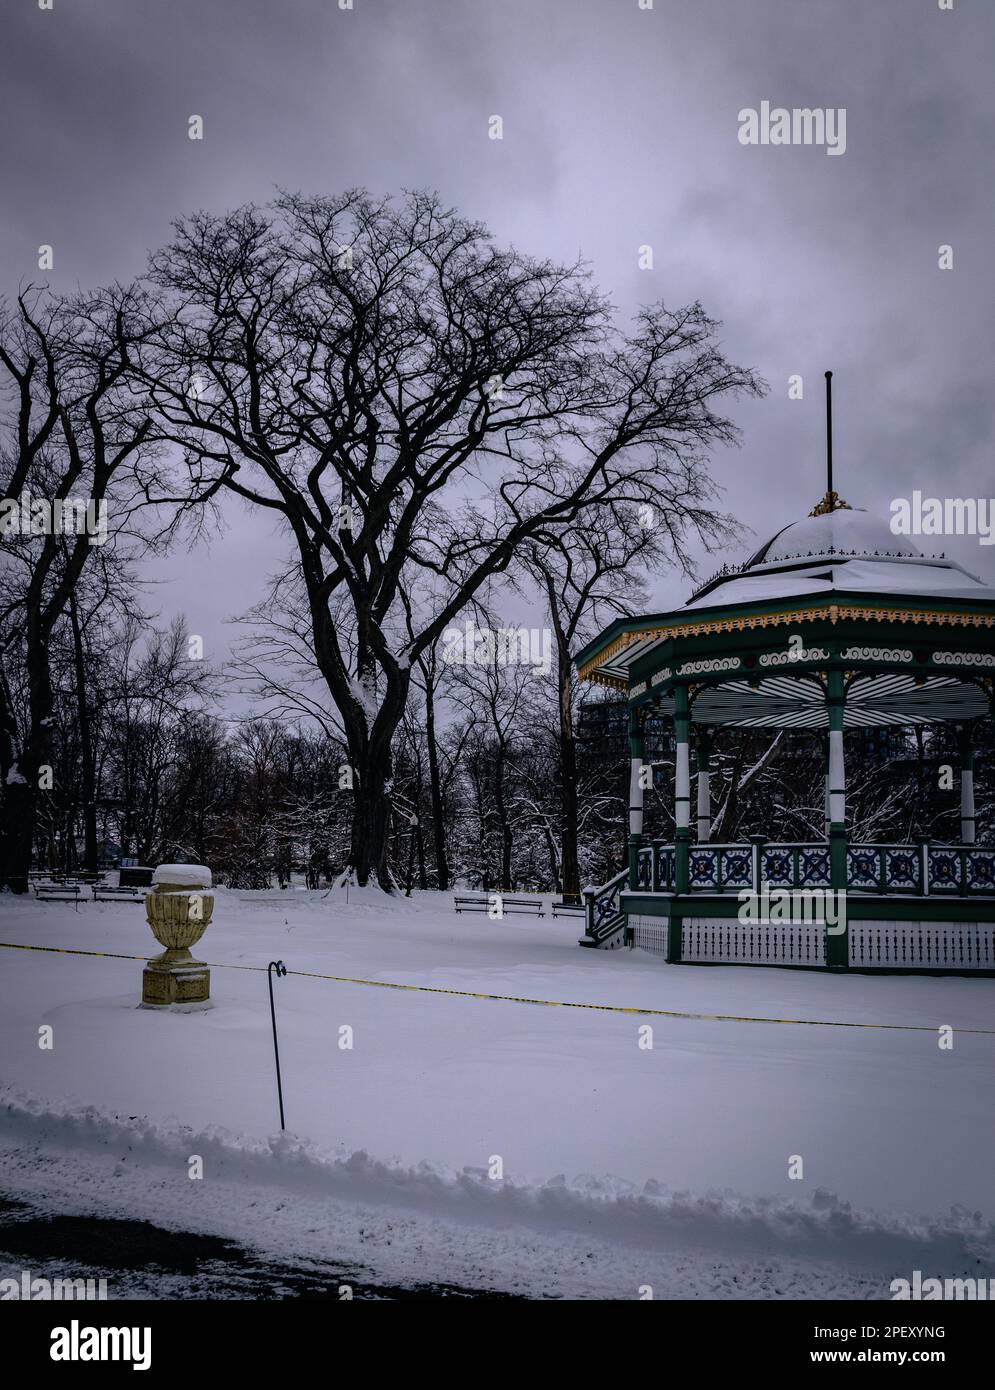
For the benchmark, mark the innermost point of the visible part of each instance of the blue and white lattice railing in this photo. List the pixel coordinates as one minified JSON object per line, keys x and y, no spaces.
{"x":961,"y":869}
{"x":916,"y":870}
{"x":605,"y":918}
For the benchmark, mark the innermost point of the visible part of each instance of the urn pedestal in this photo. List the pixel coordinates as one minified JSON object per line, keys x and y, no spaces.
{"x":178,"y":910}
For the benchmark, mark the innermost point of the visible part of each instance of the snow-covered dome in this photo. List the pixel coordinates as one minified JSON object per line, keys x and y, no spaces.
{"x":847,"y":531}
{"x":846,"y":550}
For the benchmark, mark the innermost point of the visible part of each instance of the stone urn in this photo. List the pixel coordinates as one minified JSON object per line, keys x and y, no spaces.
{"x":178,"y":909}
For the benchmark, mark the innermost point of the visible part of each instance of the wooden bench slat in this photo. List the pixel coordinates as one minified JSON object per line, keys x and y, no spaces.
{"x":486,"y":897}
{"x":463,"y":903}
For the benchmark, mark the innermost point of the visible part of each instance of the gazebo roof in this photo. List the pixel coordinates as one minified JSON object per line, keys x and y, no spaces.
{"x":842,"y":551}
{"x":843,"y":571}
{"x":843,"y":531}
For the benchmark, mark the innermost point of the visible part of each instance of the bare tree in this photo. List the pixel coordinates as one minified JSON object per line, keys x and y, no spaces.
{"x":155,"y":686}
{"x":428,"y":678}
{"x":588,"y":573}
{"x":103,"y":599}
{"x":416,"y":404}
{"x":71,"y":429}
{"x":492,"y":695}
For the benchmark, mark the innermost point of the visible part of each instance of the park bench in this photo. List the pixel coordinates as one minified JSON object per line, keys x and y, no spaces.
{"x":569,"y":910}
{"x":478,"y":903}
{"x":59,"y":892}
{"x":108,"y":893}
{"x":135,"y":876}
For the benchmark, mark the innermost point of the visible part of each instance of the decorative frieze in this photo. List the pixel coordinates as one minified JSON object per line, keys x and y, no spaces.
{"x":876,"y":654}
{"x":720,"y":663}
{"x":963,"y":659}
{"x":792,"y":658}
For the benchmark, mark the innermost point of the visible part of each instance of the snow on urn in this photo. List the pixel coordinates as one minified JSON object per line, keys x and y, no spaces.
{"x":178,"y":910}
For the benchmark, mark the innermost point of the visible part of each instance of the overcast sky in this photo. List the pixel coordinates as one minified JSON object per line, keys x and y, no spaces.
{"x":620,"y":130}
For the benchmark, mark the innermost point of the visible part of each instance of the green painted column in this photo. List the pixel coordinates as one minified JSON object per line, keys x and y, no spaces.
{"x":636,"y":748}
{"x":682,"y":788}
{"x":837,"y":946}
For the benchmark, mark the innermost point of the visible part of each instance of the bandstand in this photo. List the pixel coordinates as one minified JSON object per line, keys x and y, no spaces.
{"x":834,"y":624}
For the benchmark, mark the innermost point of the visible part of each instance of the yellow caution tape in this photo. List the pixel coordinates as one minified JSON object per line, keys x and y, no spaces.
{"x":523,"y":999}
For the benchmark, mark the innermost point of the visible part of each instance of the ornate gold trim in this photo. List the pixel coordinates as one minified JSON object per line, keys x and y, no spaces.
{"x":833,"y":611}
{"x":830,"y":502}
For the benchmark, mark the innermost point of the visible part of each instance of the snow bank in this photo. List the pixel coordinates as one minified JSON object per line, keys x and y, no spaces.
{"x":603,"y":1208}
{"x":888,"y":1123}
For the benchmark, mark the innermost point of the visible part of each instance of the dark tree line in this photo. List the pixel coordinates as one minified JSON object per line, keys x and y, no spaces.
{"x":147,"y":766}
{"x":72,"y":428}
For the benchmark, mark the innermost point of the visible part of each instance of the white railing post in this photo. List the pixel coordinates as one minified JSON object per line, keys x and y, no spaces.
{"x":757,"y":841}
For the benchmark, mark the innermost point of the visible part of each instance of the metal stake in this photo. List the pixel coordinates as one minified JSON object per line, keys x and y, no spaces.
{"x":280,"y":969}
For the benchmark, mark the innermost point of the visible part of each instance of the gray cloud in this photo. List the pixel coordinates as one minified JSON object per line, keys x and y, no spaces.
{"x":620,"y":130}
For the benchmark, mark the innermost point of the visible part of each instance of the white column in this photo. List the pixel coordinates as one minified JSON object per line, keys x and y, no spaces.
{"x":704,"y":788}
{"x":836,"y":788}
{"x":704,"y":806}
{"x":966,"y":788}
{"x":682,"y":787}
{"x":824,"y":744}
{"x":967,"y":807}
{"x":635,"y":797}
{"x":826,"y":798}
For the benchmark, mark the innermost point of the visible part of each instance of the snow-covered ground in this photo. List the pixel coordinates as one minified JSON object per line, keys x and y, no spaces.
{"x":623,"y":1165}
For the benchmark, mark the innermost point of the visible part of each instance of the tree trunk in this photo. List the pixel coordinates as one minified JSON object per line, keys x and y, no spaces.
{"x":21,"y":794}
{"x":411,"y":863}
{"x":569,"y":815}
{"x":16,"y":834}
{"x":569,"y":866}
{"x":369,"y":740}
{"x":8,"y":769}
{"x":87,"y":776}
{"x":500,"y":807}
{"x":435,"y":786}
{"x":371,"y":822}
{"x":422,"y":872}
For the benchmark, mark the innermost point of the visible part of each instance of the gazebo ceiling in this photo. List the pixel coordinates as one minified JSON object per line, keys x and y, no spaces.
{"x":799,"y":702}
